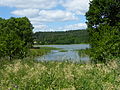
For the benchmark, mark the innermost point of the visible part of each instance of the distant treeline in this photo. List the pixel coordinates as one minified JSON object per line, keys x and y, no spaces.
{"x":61,"y":37}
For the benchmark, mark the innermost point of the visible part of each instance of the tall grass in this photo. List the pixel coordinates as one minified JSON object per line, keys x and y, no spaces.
{"x":30,"y":75}
{"x":84,"y":52}
{"x":39,"y":51}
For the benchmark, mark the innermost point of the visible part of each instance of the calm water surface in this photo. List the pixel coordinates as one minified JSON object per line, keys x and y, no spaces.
{"x":70,"y":53}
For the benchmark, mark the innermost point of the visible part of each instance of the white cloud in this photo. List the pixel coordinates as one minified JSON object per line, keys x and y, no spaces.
{"x":74,"y":26}
{"x":78,"y":6}
{"x":53,"y":16}
{"x":40,"y":27}
{"x":36,"y":15}
{"x":64,"y":28}
{"x":46,"y":4}
{"x":41,"y":12}
{"x":26,"y":12}
{"x":57,"y":15}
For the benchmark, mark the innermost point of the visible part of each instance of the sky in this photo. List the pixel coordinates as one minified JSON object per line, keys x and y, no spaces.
{"x":48,"y":15}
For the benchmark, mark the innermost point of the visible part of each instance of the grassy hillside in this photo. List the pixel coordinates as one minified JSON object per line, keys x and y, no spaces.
{"x":67,"y":37}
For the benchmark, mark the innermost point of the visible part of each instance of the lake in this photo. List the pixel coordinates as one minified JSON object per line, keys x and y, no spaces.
{"x":65,"y":52}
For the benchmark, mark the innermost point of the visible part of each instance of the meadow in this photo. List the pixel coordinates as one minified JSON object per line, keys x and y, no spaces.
{"x":27,"y":74}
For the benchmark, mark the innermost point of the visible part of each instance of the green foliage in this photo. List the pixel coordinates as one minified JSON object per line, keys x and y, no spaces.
{"x":29,"y":75}
{"x":84,"y":52}
{"x":104,"y":29}
{"x":103,"y":12}
{"x":68,"y":37}
{"x":106,"y":43}
{"x":15,"y":37}
{"x":39,"y":51}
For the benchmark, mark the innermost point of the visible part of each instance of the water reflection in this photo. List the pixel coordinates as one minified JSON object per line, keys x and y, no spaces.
{"x":69,"y":54}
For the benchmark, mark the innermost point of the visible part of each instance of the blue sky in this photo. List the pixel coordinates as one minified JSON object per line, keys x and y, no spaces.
{"x":48,"y":15}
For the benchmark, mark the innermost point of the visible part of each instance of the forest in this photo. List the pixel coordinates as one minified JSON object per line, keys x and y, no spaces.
{"x":61,"y":37}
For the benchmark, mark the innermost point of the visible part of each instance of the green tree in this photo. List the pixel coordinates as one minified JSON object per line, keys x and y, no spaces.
{"x":15,"y":37}
{"x":103,"y":12}
{"x":23,"y":29}
{"x":103,"y":27}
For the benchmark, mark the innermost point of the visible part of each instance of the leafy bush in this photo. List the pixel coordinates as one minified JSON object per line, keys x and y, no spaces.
{"x":104,"y":29}
{"x":15,"y":37}
{"x":106,"y":43}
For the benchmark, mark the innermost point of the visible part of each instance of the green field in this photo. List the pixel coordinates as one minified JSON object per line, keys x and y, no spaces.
{"x":30,"y":75}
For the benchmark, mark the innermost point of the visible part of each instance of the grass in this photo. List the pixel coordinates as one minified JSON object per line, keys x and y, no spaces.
{"x":39,"y":51}
{"x":30,"y":75}
{"x":63,"y":50}
{"x":84,"y":52}
{"x":27,"y":74}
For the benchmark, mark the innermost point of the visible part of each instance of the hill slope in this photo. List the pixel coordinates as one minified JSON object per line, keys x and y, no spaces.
{"x":62,"y":37}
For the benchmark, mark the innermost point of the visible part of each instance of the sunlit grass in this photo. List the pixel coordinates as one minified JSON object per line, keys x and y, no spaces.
{"x":30,"y":75}
{"x":40,"y":51}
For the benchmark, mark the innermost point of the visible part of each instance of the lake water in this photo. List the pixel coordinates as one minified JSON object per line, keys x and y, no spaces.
{"x":65,"y":52}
